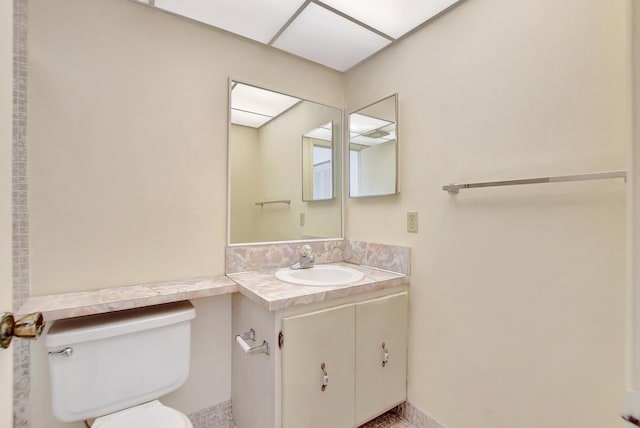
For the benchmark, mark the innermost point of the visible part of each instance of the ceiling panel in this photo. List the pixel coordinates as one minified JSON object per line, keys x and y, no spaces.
{"x":393,"y":18}
{"x":320,"y":134}
{"x":361,"y":124}
{"x":330,"y":39}
{"x":257,"y":100}
{"x":245,"y":118}
{"x":367,"y":141}
{"x":256,"y":19}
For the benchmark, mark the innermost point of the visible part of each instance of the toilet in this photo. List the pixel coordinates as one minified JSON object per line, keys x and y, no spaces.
{"x":110,"y":369}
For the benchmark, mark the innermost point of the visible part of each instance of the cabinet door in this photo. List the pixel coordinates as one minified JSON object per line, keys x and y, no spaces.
{"x":309,"y":340}
{"x":380,"y":386}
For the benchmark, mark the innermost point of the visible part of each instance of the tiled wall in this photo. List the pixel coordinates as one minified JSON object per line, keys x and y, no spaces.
{"x":380,"y":256}
{"x":21,"y":364}
{"x":248,"y":258}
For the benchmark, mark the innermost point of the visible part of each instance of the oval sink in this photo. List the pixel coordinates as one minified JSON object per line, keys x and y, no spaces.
{"x":320,"y":276}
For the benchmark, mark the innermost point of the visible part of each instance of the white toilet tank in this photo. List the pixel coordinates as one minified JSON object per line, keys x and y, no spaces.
{"x":100,"y":364}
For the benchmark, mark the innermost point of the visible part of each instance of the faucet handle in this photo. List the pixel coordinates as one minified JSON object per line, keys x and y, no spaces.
{"x":305,"y":251}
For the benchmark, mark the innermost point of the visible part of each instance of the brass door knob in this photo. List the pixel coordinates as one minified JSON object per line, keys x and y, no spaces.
{"x":6,"y":330}
{"x":27,"y":327}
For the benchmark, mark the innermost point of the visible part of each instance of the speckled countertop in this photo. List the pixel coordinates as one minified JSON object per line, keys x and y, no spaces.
{"x":263,"y":288}
{"x":70,"y":305}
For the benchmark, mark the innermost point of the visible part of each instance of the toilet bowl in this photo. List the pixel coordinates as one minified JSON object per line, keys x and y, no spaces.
{"x":114,"y":367}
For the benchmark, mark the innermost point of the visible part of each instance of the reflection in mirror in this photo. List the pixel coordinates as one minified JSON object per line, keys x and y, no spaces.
{"x":373,"y":149}
{"x":317,"y":156}
{"x":266,"y":203}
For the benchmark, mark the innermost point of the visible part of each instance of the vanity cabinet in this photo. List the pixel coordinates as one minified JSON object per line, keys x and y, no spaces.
{"x":338,"y":345}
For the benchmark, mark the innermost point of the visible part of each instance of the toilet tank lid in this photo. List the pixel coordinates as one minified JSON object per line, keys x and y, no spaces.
{"x":102,"y":326}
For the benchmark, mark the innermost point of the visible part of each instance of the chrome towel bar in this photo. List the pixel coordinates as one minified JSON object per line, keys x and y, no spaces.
{"x":282,"y":201}
{"x":455,"y":188}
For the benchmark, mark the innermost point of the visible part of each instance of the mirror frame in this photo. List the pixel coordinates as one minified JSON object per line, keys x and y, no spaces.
{"x":339,"y":189}
{"x":348,"y":149}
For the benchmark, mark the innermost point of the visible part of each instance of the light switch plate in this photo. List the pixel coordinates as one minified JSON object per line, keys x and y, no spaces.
{"x":412,"y":221}
{"x":301,"y":219}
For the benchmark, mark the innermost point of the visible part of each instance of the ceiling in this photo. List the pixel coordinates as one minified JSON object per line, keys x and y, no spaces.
{"x":336,"y":33}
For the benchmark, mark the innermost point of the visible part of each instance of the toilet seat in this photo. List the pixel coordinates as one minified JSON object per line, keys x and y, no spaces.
{"x":149,"y":415}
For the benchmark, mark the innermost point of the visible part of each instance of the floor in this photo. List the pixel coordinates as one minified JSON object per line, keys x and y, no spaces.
{"x":387,"y":420}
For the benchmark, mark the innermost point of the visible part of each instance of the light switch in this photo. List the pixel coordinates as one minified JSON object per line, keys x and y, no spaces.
{"x":301,"y":219}
{"x":412,"y":221}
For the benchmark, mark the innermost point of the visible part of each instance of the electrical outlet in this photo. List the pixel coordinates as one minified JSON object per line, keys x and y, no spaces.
{"x":301,"y":219}
{"x":412,"y":221}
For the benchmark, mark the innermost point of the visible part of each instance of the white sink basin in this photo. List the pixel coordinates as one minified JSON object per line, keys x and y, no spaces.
{"x":320,"y":276}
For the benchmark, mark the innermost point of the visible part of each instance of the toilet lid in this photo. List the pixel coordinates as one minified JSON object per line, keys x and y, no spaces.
{"x":145,"y":416}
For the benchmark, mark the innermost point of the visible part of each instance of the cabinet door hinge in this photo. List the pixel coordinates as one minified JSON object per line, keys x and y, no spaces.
{"x":280,"y":340}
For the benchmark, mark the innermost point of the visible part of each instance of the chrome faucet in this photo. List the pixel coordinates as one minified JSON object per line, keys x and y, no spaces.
{"x":306,"y":258}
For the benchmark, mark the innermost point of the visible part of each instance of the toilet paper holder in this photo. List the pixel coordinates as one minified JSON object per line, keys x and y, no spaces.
{"x":241,"y":339}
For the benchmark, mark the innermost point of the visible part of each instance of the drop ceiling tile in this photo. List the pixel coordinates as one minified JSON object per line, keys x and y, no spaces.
{"x":360,"y":123}
{"x":258,"y":100}
{"x":245,"y":118}
{"x":320,"y":134}
{"x":327,"y":38}
{"x":394,"y":18}
{"x":256,"y":19}
{"x":368,"y":141}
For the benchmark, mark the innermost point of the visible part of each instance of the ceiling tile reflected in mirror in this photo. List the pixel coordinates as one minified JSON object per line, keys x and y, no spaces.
{"x":335,"y":33}
{"x":253,"y":106}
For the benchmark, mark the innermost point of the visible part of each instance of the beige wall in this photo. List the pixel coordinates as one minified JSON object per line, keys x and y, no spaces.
{"x":127,"y":140}
{"x":517,"y":297}
{"x":6,"y":106}
{"x":633,"y":301}
{"x":378,"y":169}
{"x":128,"y":160}
{"x":245,"y":179}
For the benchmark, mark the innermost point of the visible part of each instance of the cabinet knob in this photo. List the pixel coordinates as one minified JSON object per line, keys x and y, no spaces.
{"x":325,"y":377}
{"x":385,"y":357}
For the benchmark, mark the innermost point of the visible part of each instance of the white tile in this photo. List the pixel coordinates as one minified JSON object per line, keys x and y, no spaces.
{"x":260,"y":101}
{"x":256,"y":19}
{"x":393,"y":18}
{"x":245,"y":118}
{"x":322,"y":36}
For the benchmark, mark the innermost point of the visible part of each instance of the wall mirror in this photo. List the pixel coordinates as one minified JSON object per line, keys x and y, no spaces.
{"x":373,"y":149}
{"x":280,"y":189}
